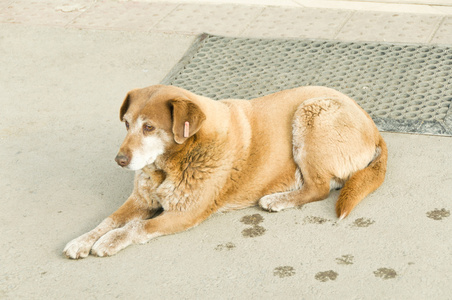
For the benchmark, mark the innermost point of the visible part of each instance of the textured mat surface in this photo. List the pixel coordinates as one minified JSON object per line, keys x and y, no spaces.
{"x":405,"y":88}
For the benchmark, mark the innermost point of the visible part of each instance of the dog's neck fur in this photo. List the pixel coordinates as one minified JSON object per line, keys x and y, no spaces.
{"x":210,"y":133}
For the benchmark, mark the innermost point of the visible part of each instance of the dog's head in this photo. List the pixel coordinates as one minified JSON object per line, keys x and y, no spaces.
{"x":157,"y":118}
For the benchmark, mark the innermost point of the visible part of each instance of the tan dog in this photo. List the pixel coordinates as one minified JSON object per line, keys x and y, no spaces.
{"x":194,"y":156}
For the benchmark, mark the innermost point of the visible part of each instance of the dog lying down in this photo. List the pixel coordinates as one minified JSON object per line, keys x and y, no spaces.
{"x":193,"y":156}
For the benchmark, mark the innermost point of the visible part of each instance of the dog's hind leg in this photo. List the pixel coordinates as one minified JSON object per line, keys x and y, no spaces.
{"x":311,"y":190}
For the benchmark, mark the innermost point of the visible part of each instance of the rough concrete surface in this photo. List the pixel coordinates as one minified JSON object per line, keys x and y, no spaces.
{"x":61,"y":89}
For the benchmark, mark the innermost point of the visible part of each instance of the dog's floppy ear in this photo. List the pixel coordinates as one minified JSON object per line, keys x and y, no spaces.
{"x":185,"y":111}
{"x":124,"y":107}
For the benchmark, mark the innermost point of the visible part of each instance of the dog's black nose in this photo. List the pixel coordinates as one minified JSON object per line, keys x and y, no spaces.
{"x":122,"y":160}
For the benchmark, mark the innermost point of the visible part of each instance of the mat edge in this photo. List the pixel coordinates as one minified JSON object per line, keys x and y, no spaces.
{"x":188,"y":55}
{"x":436,"y":128}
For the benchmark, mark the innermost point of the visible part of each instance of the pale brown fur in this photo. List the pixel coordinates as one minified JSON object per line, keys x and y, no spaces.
{"x":281,"y":150}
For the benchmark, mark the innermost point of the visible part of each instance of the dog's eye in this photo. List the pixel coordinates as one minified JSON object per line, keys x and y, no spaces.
{"x":127,"y":125}
{"x":148,"y":128}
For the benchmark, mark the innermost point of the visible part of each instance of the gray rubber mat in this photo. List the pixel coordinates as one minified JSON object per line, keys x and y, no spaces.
{"x":405,"y":88}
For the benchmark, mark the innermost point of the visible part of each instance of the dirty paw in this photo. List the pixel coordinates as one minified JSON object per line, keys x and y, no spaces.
{"x":111,"y":243}
{"x":274,"y":203}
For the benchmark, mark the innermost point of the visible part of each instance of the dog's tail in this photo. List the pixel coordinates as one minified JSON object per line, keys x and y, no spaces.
{"x":363,"y":182}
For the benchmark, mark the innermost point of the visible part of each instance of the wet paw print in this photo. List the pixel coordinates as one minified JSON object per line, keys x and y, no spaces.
{"x":252,"y":219}
{"x":255,"y":230}
{"x":385,"y":273}
{"x":438,"y":214}
{"x":226,"y":246}
{"x":315,"y":220}
{"x":362,"y":222}
{"x":326,"y":276}
{"x":284,"y":271}
{"x":345,"y":260}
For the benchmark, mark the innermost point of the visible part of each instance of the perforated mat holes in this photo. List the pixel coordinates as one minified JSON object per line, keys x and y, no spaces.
{"x":400,"y":82}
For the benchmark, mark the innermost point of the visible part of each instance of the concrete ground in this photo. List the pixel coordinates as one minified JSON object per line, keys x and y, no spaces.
{"x":66,"y":66}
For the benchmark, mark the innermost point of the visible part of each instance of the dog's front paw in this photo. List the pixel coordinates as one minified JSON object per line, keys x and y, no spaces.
{"x":274,"y":203}
{"x":79,"y":247}
{"x":112,"y":242}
